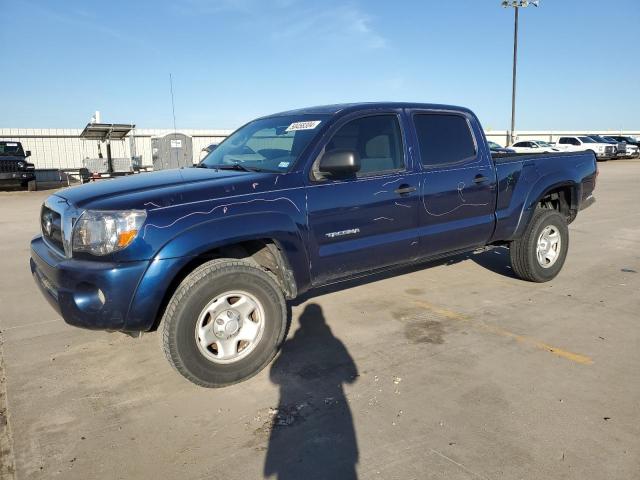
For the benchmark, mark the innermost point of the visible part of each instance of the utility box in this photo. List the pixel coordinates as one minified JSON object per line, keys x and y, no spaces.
{"x":174,"y":150}
{"x":118,"y":165}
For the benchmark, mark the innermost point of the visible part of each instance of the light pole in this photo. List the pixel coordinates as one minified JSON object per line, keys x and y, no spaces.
{"x":517,"y":5}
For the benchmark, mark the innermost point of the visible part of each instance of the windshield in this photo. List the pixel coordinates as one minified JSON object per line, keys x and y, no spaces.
{"x":11,"y":148}
{"x":587,"y":140}
{"x":544,"y":144}
{"x":598,"y":138}
{"x":493,"y":145}
{"x":266,"y":145}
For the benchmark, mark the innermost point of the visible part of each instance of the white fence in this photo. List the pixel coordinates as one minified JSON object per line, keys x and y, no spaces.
{"x":64,"y":149}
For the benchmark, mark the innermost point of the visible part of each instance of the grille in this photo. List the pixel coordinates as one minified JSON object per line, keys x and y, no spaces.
{"x":51,"y":225}
{"x":7,"y":166}
{"x":609,"y":149}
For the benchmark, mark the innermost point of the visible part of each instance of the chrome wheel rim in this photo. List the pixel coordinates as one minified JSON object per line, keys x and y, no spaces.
{"x":549,"y":245}
{"x":230,"y":327}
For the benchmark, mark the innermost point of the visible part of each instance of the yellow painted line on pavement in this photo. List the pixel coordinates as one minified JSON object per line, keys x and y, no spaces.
{"x":559,"y":352}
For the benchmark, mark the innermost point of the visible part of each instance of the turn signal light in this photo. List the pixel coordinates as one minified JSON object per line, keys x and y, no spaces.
{"x":125,"y":238}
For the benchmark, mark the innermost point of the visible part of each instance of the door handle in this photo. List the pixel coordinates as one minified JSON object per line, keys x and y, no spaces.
{"x":404,"y":189}
{"x":480,"y":178}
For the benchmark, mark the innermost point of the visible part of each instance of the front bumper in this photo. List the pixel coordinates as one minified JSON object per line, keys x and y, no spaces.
{"x":88,"y":294}
{"x":15,"y":177}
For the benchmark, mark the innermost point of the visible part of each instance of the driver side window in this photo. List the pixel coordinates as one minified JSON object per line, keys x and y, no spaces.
{"x":376,"y":139}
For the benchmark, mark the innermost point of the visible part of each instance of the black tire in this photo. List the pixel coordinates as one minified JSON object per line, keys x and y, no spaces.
{"x":523,"y":252}
{"x":177,"y":328}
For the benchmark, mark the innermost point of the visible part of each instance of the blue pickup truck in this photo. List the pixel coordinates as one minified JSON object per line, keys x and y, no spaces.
{"x":289,"y":202}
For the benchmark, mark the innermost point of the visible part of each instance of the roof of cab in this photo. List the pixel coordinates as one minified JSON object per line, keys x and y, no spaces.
{"x":353,"y":107}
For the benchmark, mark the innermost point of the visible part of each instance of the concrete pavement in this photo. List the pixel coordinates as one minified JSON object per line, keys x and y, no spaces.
{"x":456,"y":371}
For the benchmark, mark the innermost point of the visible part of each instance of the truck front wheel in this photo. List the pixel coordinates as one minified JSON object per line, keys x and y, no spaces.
{"x":224,"y":323}
{"x":538,"y":256}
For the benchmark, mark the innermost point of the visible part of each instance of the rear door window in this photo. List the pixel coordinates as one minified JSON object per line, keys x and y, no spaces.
{"x":444,"y":138}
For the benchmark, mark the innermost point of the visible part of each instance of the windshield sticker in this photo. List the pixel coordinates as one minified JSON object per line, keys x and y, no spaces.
{"x":303,"y":125}
{"x":283,"y":164}
{"x":10,"y":144}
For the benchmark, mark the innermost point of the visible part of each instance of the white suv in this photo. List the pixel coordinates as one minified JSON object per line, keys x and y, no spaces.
{"x":603,"y":151}
{"x":534,"y":146}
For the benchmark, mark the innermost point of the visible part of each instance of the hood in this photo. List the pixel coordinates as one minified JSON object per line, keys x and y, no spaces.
{"x":156,"y":189}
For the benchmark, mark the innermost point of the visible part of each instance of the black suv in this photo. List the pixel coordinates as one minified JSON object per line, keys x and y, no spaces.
{"x":14,"y":168}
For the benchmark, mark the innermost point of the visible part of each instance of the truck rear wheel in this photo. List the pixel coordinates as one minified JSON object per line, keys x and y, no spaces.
{"x":538,"y":256}
{"x":224,"y":323}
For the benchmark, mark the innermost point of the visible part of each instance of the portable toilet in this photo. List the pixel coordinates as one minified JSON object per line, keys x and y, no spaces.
{"x":174,"y":150}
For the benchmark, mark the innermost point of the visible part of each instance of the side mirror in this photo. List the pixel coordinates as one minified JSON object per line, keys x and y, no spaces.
{"x":27,"y":153}
{"x":340,"y":162}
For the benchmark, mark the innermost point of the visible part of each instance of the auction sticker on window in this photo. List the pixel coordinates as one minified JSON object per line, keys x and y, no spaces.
{"x":303,"y":125}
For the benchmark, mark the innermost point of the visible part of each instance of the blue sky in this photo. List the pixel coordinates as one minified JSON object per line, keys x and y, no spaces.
{"x":234,"y":60}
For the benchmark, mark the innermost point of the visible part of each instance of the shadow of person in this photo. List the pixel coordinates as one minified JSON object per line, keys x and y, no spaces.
{"x":312,"y":434}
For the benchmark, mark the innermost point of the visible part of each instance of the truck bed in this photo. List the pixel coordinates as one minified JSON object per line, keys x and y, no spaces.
{"x":522,"y":179}
{"x":510,"y":157}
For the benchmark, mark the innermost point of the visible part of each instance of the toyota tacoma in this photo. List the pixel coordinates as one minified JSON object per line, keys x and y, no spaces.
{"x":208,"y":256}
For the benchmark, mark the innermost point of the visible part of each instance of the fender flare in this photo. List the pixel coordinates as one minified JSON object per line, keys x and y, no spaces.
{"x":542,"y":187}
{"x":188,"y":245}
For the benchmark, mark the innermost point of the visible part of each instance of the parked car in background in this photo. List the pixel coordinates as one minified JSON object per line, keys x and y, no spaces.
{"x":206,"y":151}
{"x":534,"y":146}
{"x":497,"y":148}
{"x":287,"y":203}
{"x":621,"y":147}
{"x":14,"y":168}
{"x":603,"y":151}
{"x":632,"y":151}
{"x":627,"y":139}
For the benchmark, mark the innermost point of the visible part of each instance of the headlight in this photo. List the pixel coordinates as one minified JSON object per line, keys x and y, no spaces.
{"x":101,"y":232}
